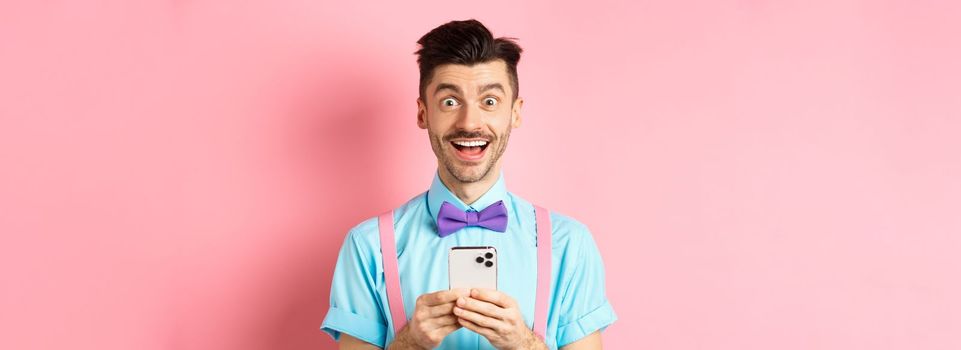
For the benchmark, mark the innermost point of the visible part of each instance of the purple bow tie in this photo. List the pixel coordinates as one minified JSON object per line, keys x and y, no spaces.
{"x":451,"y":219}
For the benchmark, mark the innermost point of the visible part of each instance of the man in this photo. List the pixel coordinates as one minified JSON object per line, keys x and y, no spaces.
{"x":468,"y":104}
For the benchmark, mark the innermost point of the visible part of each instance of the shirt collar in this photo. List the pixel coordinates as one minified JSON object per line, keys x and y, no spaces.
{"x":439,"y":193}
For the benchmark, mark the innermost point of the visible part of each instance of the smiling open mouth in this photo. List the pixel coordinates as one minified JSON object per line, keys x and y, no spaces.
{"x":470,"y":150}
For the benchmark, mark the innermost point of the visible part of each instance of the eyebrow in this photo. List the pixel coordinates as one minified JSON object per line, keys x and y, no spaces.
{"x":446,"y":86}
{"x":456,"y":89}
{"x":497,"y":86}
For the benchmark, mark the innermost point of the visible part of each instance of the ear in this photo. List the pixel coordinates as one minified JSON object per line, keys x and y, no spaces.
{"x":516,"y":113}
{"x":421,"y":114}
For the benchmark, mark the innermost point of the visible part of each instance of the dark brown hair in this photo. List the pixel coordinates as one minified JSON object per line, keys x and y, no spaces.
{"x":468,"y":43}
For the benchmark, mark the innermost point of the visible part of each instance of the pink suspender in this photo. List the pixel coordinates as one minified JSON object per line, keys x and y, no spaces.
{"x":542,"y":219}
{"x":392,"y":277}
{"x":389,"y":250}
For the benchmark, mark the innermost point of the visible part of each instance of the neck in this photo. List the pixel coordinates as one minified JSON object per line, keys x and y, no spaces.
{"x":469,"y":192}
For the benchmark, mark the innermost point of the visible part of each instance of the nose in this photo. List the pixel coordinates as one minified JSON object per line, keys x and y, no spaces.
{"x":470,"y":118}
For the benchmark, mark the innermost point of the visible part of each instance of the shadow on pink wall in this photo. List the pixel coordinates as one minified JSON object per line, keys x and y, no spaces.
{"x":335,"y":149}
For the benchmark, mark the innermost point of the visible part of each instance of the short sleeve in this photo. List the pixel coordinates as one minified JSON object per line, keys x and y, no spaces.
{"x":584,"y":308}
{"x":355,"y":306}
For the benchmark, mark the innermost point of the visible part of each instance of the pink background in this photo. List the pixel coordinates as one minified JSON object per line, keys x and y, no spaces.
{"x":757,"y":174}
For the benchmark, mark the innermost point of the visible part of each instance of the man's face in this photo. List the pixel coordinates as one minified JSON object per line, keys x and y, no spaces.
{"x":469,"y":114}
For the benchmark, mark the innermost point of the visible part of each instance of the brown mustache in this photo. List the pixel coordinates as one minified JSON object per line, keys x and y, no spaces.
{"x":469,"y":135}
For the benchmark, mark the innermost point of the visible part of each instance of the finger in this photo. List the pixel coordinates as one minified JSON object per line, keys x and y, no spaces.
{"x":482,"y":307}
{"x":444,"y":321}
{"x":444,"y":331}
{"x":493,"y":296}
{"x":441,"y":310}
{"x":440,"y":297}
{"x":478,"y":319}
{"x":484,"y":331}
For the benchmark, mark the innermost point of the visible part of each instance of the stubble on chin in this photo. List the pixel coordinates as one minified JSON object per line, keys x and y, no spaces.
{"x":460,"y":172}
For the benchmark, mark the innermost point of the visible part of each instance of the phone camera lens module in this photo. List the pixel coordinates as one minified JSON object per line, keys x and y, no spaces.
{"x":489,"y":263}
{"x":479,"y":260}
{"x":489,"y":255}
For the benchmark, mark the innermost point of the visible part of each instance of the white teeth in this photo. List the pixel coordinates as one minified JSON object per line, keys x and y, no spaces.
{"x":470,"y":143}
